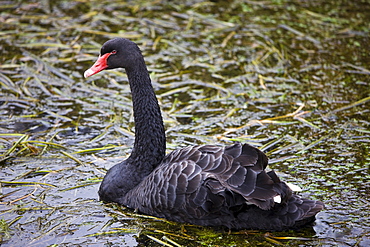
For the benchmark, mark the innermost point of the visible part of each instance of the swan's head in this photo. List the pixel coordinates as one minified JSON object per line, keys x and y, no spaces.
{"x":116,"y":53}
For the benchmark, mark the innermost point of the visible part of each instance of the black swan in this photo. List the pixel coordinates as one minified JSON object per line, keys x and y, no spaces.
{"x":205,"y":185}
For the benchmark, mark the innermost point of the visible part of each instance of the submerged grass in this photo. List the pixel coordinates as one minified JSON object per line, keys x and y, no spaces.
{"x":289,"y":77}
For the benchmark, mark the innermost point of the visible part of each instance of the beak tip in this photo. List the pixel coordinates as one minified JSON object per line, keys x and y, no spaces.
{"x":88,"y":73}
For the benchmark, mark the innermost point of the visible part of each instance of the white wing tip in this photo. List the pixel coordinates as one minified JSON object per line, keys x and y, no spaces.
{"x":294,"y":187}
{"x":277,"y":199}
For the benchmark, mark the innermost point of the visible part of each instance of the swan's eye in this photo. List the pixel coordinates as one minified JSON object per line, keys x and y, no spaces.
{"x":113,"y":52}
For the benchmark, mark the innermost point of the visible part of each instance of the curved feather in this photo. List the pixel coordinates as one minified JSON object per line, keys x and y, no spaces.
{"x":209,"y":183}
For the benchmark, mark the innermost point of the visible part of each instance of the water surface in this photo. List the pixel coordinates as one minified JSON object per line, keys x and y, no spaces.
{"x":291,"y":77}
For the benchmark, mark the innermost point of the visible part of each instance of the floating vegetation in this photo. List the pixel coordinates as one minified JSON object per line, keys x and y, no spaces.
{"x":291,"y":77}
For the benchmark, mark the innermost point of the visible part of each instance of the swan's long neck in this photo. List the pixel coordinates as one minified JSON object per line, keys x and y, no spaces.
{"x":150,"y":141}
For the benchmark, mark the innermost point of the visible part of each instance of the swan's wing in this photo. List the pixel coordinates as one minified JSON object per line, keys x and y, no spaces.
{"x":210,"y":185}
{"x":209,"y":174}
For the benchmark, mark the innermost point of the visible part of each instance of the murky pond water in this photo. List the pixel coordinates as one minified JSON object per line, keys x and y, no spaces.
{"x":291,"y":77}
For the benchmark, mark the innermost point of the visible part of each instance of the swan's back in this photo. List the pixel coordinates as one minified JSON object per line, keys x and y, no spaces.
{"x":220,"y":186}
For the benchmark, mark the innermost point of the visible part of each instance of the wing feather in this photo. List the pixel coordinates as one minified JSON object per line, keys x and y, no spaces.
{"x":211,"y":178}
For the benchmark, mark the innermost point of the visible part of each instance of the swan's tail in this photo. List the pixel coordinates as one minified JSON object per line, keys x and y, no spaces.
{"x":293,"y":211}
{"x":300,"y":212}
{"x":289,"y":211}
{"x":293,"y":214}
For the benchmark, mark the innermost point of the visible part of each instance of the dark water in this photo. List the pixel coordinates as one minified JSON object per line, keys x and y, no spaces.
{"x":291,"y":77}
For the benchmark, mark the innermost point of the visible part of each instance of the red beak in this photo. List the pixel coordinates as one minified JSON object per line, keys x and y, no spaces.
{"x":99,"y":65}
